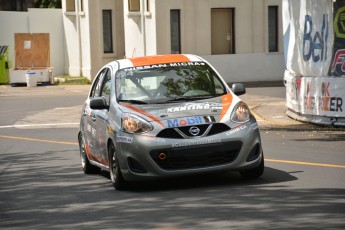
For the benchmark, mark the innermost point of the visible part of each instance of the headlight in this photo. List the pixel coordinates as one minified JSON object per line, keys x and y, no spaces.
{"x":135,"y":124}
{"x":241,"y":113}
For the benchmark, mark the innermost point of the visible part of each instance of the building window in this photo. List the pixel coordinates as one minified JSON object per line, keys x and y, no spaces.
{"x":273,"y":29}
{"x":107,"y":32}
{"x":70,"y":5}
{"x":175,"y":36}
{"x":148,"y":5}
{"x":222,"y":31}
{"x":81,"y":5}
{"x":134,"y":5}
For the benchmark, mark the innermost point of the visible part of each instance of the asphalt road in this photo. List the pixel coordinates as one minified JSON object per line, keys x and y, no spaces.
{"x":42,"y":185}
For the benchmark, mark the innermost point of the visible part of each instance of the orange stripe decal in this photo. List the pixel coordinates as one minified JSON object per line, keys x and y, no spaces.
{"x":144,"y":113}
{"x":226,"y":102}
{"x":160,"y":59}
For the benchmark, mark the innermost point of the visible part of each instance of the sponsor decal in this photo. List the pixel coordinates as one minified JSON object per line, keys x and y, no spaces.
{"x":164,"y":65}
{"x":198,"y":142}
{"x":236,"y":129}
{"x":153,"y":139}
{"x":315,"y":45}
{"x":339,"y":61}
{"x":339,"y":19}
{"x":216,"y":109}
{"x":91,"y":130}
{"x":124,"y":139}
{"x":197,"y":120}
{"x":326,"y":102}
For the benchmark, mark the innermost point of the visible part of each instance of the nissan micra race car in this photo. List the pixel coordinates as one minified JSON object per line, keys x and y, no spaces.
{"x":165,"y":116}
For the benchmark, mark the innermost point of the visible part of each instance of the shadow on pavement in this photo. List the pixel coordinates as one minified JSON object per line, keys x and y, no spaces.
{"x":57,"y":195}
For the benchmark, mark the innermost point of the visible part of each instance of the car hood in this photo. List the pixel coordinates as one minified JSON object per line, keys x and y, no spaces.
{"x":194,"y":112}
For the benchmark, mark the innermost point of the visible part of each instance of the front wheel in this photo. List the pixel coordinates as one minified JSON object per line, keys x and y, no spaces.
{"x":114,"y":168}
{"x":255,"y":172}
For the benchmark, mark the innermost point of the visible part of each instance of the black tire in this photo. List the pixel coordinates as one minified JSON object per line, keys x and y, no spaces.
{"x":255,"y":172}
{"x":88,"y":168}
{"x":114,"y":169}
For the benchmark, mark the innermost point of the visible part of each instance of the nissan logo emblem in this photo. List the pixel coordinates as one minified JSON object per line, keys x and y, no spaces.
{"x":194,"y":130}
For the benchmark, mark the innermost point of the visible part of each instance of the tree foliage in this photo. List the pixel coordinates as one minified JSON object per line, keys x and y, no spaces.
{"x":48,"y":3}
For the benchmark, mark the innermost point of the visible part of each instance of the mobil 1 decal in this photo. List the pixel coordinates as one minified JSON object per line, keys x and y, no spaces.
{"x":186,"y":121}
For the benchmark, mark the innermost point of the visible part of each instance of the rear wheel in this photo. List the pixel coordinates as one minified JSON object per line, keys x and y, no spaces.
{"x":88,"y":168}
{"x":114,"y":168}
{"x":255,"y":172}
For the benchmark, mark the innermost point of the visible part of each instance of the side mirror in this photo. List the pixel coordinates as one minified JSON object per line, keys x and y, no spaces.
{"x":98,"y":103}
{"x":238,"y":89}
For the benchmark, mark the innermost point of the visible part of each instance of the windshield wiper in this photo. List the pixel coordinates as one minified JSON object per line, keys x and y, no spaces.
{"x":133,"y":101}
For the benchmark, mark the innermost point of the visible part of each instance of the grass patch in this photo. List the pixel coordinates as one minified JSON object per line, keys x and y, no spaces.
{"x":69,"y":80}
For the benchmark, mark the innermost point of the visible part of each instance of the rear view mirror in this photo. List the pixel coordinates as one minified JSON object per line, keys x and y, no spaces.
{"x":238,"y":89}
{"x":98,"y":103}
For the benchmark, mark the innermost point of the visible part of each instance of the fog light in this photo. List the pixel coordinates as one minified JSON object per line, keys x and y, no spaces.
{"x":162,"y":156}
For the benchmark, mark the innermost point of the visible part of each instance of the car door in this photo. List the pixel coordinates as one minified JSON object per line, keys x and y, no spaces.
{"x":90,"y":129}
{"x":101,"y":118}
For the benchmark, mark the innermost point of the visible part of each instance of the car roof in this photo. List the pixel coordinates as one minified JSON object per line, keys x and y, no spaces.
{"x":154,"y":60}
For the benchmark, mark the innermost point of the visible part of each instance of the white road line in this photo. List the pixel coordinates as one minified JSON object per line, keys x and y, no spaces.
{"x":36,"y":125}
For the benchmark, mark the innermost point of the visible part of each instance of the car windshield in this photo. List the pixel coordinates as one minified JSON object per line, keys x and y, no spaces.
{"x":166,"y":83}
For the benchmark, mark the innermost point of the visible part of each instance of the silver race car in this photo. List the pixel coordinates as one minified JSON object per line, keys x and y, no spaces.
{"x":164,"y":116}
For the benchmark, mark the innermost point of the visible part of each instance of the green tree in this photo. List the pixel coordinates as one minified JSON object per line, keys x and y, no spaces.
{"x":48,"y":3}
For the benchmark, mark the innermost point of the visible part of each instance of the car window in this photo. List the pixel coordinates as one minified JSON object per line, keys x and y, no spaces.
{"x":96,"y":87}
{"x":106,"y":87}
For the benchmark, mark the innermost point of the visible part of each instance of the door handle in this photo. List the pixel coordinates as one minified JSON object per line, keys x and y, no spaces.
{"x":93,"y":118}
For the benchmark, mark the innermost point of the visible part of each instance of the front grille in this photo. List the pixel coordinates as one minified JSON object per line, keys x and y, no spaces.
{"x":198,"y":156}
{"x":174,"y":134}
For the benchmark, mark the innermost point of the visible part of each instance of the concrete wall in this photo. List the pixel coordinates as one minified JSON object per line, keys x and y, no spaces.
{"x":249,"y":67}
{"x":35,"y":21}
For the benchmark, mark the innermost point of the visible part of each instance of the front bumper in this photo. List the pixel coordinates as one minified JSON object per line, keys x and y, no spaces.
{"x":146,"y":157}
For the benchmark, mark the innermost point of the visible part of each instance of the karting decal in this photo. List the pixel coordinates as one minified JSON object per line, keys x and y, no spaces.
{"x":124,"y":139}
{"x":235,"y":130}
{"x":198,"y":142}
{"x":155,"y":60}
{"x":197,"y":120}
{"x":194,"y":106}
